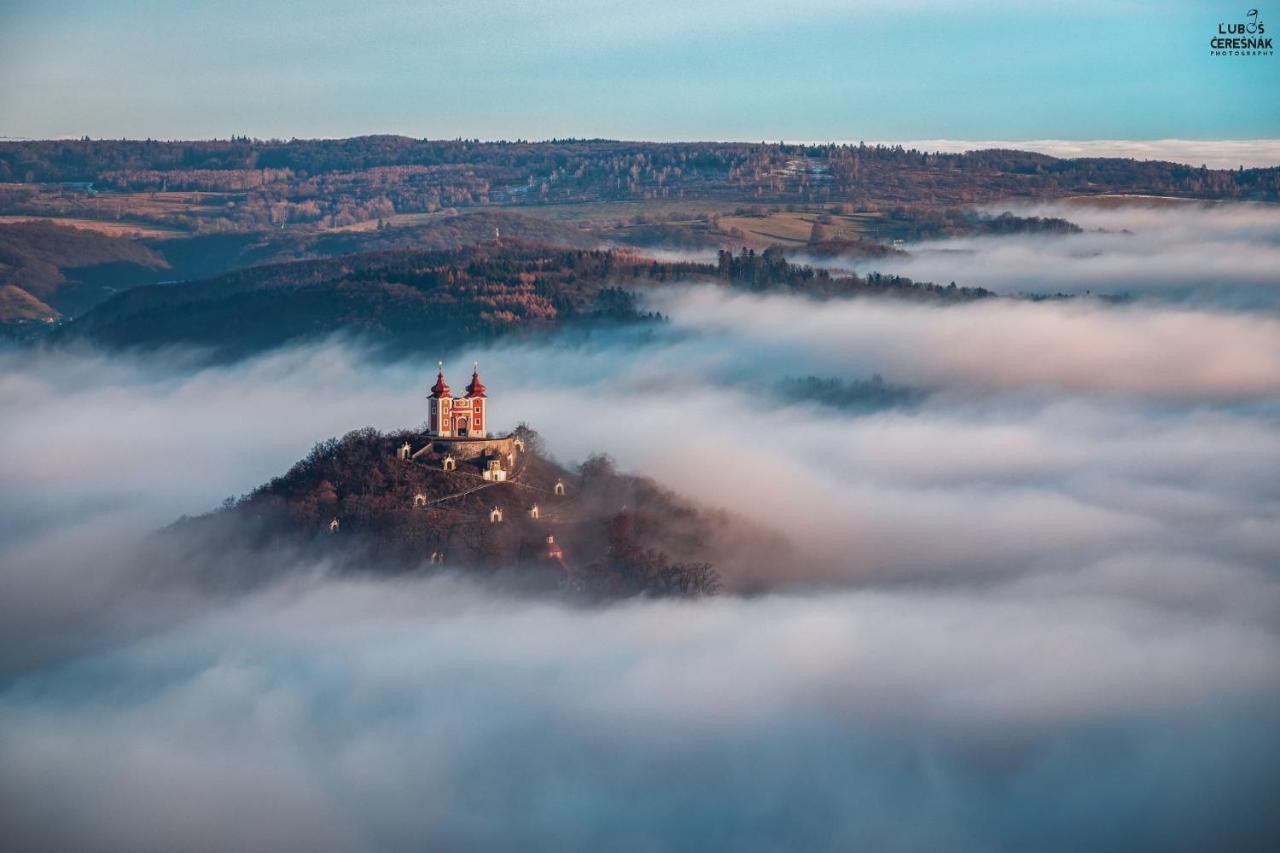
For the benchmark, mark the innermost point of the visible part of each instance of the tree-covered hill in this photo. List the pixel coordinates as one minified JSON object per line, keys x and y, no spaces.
{"x":65,"y":269}
{"x":611,"y":534}
{"x":50,"y":270}
{"x":336,"y":180}
{"x":436,"y":298}
{"x":441,"y":300}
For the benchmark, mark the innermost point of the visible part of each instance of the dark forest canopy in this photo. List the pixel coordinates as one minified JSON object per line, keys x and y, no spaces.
{"x":446,"y":298}
{"x":440,"y":298}
{"x":856,"y":395}
{"x":49,"y":269}
{"x":615,"y":534}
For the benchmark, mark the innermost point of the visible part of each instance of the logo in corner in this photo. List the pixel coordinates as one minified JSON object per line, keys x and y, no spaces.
{"x":1245,"y":38}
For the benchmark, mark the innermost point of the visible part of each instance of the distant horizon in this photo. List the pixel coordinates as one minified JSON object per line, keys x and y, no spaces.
{"x":1260,"y":152}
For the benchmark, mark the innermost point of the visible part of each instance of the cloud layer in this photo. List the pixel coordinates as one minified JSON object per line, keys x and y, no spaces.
{"x":1037,"y":608}
{"x":398,"y":715}
{"x":1203,"y":254}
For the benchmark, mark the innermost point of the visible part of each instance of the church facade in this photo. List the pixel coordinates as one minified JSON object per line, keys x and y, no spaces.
{"x":458,"y":417}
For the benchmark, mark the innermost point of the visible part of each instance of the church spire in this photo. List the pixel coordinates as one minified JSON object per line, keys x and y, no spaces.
{"x":441,"y":388}
{"x":476,"y":388}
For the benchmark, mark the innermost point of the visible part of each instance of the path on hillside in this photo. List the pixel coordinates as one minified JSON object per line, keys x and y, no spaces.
{"x":463,"y":493}
{"x":553,"y":513}
{"x":514,"y":480}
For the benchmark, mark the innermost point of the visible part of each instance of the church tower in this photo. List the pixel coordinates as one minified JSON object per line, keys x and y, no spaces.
{"x":439,"y":407}
{"x":458,"y":417}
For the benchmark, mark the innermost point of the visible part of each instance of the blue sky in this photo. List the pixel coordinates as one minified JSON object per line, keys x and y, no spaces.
{"x":804,"y":69}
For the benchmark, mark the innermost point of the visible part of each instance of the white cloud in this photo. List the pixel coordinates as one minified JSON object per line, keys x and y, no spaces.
{"x":1150,"y":351}
{"x":1224,"y":255}
{"x":1029,"y":607}
{"x":393,"y":715}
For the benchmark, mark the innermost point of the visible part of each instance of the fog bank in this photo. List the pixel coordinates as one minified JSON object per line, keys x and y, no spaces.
{"x":357,"y":716}
{"x":1036,"y":608}
{"x":1199,"y":253}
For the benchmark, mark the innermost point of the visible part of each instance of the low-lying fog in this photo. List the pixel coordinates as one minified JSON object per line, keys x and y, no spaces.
{"x":1035,"y":608}
{"x":1200,"y":253}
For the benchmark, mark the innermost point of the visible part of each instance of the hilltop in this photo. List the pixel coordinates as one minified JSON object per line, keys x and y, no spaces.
{"x":382,"y":509}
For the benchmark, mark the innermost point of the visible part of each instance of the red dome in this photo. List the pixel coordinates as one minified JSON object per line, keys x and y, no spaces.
{"x":476,"y":388}
{"x":441,"y":388}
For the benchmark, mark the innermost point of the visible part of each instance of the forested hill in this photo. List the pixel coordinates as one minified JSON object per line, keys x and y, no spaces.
{"x":252,"y":184}
{"x":437,"y":299}
{"x":614,"y":534}
{"x":443,"y":299}
{"x":48,"y":269}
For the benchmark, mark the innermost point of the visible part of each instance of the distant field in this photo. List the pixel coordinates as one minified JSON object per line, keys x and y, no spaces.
{"x":789,"y":227}
{"x":607,"y":211}
{"x":777,"y":228}
{"x":111,"y":229}
{"x":396,"y":220}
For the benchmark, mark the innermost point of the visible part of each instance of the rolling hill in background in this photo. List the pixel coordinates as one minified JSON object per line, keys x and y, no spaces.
{"x":445,"y":298}
{"x":175,"y":222}
{"x":49,"y":270}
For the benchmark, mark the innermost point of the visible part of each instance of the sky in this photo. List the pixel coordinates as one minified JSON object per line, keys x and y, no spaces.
{"x":669,"y":69}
